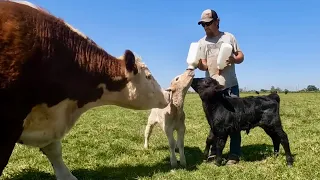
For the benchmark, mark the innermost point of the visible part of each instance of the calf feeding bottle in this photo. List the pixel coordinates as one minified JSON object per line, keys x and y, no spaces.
{"x":224,"y":54}
{"x":192,"y":59}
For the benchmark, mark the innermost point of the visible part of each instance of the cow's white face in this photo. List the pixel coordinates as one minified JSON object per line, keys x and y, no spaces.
{"x":142,"y":91}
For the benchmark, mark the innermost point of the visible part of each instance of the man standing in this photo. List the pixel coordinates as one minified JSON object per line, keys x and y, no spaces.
{"x":209,"y":47}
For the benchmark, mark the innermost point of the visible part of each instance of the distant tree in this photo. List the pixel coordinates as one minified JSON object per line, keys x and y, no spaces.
{"x":263,"y":90}
{"x":278,"y":89}
{"x":286,"y":91}
{"x":303,"y":90}
{"x":272,"y":88}
{"x":312,"y":88}
{"x":257,"y":92}
{"x":241,"y":90}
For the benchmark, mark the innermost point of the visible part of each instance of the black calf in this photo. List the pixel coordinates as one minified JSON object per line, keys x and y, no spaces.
{"x":229,"y":114}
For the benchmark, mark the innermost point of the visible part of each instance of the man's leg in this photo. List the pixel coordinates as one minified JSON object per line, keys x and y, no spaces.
{"x":235,"y":138}
{"x":235,"y":148}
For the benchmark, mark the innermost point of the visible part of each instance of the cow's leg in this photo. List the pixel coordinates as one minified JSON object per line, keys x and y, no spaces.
{"x":172,"y":145}
{"x":180,"y":144}
{"x":10,"y":131}
{"x":53,"y":152}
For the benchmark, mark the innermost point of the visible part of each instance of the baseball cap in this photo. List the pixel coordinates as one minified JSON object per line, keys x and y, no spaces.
{"x":208,"y":15}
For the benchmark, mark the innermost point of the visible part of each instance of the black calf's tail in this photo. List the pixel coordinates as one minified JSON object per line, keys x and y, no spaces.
{"x":275,"y":96}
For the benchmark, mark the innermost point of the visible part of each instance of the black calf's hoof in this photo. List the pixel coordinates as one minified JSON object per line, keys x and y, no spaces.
{"x":205,"y":157}
{"x":218,"y":163}
{"x":290,"y":164}
{"x":210,"y":158}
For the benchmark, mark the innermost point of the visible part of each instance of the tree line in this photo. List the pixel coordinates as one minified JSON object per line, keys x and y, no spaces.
{"x":309,"y":88}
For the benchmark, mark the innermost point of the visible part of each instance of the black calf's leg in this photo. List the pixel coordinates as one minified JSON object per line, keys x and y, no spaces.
{"x":285,"y":144}
{"x":213,"y":147}
{"x":220,"y":144}
{"x":275,"y":139}
{"x":210,"y":142}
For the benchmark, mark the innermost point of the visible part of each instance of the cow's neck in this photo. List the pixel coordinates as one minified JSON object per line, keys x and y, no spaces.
{"x":94,"y":60}
{"x":85,"y":66}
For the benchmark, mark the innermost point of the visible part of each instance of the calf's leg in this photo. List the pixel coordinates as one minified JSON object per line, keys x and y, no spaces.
{"x":172,"y":145}
{"x":210,"y":142}
{"x":180,"y":144}
{"x":53,"y":152}
{"x":275,"y":140}
{"x":221,"y":142}
{"x":285,"y":144}
{"x":147,"y":132}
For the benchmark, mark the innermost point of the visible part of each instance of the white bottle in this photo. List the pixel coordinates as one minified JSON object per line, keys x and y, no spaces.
{"x":224,"y":54}
{"x":192,"y":58}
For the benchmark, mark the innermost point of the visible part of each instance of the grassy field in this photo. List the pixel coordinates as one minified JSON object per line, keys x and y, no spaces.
{"x":107,"y":143}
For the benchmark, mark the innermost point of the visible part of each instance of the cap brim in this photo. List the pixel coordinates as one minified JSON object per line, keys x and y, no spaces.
{"x":205,"y":20}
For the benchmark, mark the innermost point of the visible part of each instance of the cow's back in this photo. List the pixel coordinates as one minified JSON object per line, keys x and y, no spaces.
{"x":30,"y":65}
{"x":16,"y":40}
{"x":37,"y":56}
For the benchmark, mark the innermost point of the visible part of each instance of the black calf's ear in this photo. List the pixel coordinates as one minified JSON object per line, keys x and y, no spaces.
{"x":130,"y":61}
{"x":219,"y":88}
{"x":196,"y":84}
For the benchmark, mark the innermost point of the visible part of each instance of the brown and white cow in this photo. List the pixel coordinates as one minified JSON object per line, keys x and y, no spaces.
{"x":50,"y":74}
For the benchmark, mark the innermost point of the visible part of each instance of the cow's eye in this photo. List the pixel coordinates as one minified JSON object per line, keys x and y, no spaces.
{"x":148,"y":76}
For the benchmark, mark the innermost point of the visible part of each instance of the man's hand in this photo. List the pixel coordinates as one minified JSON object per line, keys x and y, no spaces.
{"x":231,"y":60}
{"x":235,"y":59}
{"x":203,"y":65}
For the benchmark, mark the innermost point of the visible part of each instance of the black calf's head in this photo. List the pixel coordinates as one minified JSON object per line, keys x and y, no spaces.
{"x":207,"y":87}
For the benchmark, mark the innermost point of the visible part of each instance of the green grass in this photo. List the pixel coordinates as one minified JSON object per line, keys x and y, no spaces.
{"x":107,"y":143}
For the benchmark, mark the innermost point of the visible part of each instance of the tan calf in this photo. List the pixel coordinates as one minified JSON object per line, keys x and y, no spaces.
{"x":172,"y":117}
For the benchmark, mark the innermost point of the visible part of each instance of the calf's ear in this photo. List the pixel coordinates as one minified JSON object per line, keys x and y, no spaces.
{"x":196,"y":84}
{"x":169,"y":91}
{"x":219,"y":88}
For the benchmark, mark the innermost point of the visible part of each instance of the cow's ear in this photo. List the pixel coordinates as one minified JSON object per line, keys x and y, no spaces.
{"x":130,"y":61}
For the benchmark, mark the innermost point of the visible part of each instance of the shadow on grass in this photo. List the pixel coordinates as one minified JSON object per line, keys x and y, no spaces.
{"x":193,"y":157}
{"x":256,"y":152}
{"x":32,"y":174}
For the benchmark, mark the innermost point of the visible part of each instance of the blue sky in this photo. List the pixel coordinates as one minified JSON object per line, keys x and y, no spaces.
{"x":280,"y":39}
